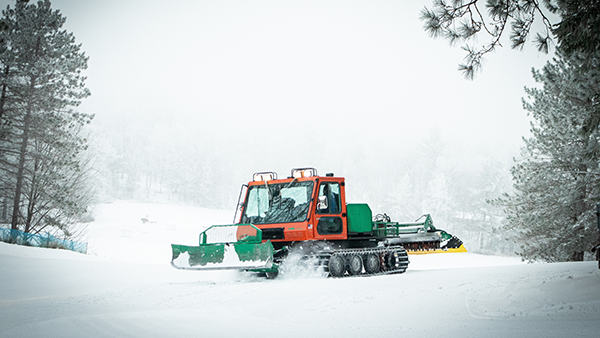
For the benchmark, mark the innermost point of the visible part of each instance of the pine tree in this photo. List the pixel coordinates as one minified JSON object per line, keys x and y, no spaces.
{"x":43,"y":145}
{"x":577,"y":30}
{"x":557,"y":182}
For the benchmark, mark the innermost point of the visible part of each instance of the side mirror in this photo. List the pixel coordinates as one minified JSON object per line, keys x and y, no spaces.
{"x":322,"y":205}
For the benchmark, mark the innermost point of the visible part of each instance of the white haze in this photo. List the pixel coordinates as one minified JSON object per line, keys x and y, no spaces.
{"x":271,"y":85}
{"x":362,"y":70}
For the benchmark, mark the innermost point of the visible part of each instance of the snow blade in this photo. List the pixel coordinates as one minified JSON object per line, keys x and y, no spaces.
{"x":226,"y":247}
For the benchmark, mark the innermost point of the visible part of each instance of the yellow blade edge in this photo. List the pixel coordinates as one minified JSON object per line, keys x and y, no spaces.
{"x":426,"y":252}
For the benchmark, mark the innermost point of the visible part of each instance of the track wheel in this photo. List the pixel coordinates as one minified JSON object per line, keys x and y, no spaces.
{"x":372,"y":263}
{"x":392,"y":261}
{"x":355,"y":265}
{"x":337,"y":266}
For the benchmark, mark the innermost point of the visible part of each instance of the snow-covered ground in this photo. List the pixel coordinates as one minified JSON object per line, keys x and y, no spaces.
{"x":125,"y":287}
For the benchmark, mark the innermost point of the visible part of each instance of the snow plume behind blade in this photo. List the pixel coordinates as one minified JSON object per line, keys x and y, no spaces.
{"x":298,"y":265}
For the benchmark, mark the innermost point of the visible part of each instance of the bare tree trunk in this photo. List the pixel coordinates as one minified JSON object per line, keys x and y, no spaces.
{"x":24,"y":143}
{"x":3,"y":94}
{"x":32,"y":202}
{"x":20,"y":172}
{"x":4,"y":216}
{"x":577,"y":256}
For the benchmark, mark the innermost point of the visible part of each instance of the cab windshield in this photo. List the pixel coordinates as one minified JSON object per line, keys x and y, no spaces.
{"x":278,"y":203}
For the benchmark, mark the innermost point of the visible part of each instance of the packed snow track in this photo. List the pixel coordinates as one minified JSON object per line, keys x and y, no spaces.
{"x":56,"y":293}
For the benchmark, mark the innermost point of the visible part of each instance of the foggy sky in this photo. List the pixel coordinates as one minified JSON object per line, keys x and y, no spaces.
{"x":275,"y":78}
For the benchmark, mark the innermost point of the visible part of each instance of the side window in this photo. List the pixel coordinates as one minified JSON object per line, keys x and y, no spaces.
{"x":331,"y":193}
{"x":329,"y":226}
{"x":258,"y":204}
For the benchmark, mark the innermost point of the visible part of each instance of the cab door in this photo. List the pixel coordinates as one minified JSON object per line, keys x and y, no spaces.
{"x":330,"y":211}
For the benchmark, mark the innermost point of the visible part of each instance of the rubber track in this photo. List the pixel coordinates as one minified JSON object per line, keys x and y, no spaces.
{"x":380,"y":251}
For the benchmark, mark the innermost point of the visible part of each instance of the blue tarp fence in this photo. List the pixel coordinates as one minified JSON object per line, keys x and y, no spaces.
{"x":40,"y":240}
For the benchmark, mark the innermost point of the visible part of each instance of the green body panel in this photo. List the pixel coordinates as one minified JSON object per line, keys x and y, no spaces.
{"x":360,"y":218}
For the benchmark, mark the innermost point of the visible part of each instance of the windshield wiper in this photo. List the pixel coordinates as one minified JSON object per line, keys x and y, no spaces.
{"x":292,"y":182}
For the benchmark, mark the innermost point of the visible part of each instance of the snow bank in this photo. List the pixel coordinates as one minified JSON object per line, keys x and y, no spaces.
{"x":459,"y":260}
{"x":55,"y":293}
{"x":144,"y":232}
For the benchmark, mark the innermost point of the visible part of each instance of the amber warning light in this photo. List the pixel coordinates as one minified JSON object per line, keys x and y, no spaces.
{"x":304,"y":172}
{"x":267,"y":176}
